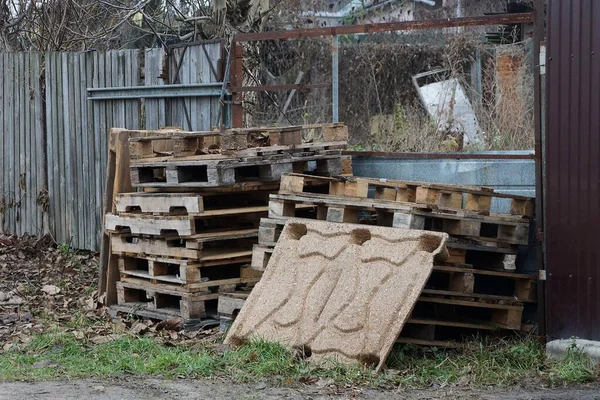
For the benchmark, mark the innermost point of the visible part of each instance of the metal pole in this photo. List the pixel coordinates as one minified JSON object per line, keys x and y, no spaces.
{"x":335,"y":90}
{"x":539,"y":102}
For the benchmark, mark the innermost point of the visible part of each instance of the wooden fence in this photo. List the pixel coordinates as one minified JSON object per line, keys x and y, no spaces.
{"x":54,"y":136}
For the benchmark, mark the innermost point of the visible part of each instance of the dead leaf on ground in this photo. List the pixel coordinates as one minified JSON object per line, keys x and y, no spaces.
{"x":51,"y":289}
{"x":89,"y":304}
{"x":139,"y":328}
{"x":104,"y":339}
{"x":168,"y":325}
{"x":78,"y":335}
{"x":324,"y":382}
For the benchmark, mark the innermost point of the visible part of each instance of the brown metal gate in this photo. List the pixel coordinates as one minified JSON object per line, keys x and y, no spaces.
{"x":572,"y":212}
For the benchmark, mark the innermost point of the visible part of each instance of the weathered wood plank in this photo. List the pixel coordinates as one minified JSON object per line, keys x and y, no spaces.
{"x":117,"y":181}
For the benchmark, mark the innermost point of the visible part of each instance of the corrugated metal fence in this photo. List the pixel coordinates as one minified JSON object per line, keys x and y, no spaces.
{"x":22,"y":146}
{"x":54,"y":139}
{"x":77,"y":137}
{"x":572,"y":170}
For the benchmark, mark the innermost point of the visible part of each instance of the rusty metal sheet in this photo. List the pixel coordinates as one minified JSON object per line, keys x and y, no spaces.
{"x":572,"y":169}
{"x":339,"y":291}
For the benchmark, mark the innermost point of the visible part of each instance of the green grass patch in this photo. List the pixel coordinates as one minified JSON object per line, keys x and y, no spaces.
{"x":574,"y":367}
{"x":61,"y":355}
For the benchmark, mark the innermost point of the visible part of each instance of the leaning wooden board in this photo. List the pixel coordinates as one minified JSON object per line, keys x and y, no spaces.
{"x":117,"y":181}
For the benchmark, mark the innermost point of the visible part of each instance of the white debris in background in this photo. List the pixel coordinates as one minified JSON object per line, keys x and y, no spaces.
{"x":450,"y":108}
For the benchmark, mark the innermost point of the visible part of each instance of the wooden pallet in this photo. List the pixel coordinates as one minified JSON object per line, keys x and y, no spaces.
{"x":187,"y":203}
{"x":501,"y":228}
{"x":187,"y":273}
{"x":198,"y":247}
{"x":166,"y":302}
{"x":212,"y":171}
{"x":474,"y":199}
{"x":147,"y":144}
{"x":185,"y":226}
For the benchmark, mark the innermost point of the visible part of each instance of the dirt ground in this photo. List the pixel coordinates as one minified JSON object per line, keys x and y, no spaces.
{"x":149,"y":389}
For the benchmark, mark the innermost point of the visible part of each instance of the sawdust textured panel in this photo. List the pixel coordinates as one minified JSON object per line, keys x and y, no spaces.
{"x":339,"y":291}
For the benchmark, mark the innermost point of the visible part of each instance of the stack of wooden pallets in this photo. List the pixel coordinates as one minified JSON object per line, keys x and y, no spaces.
{"x":477,"y":289}
{"x":187,"y":234}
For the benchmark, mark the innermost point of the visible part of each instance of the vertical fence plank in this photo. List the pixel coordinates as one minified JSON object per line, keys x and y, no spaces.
{"x":9,"y":77}
{"x":194,"y":74}
{"x":32,"y":161}
{"x":2,"y":152}
{"x":40,"y":141}
{"x":51,"y":164}
{"x":204,"y":75}
{"x":58,"y":150}
{"x":67,"y":71}
{"x":98,"y":109}
{"x":135,"y":71}
{"x":29,"y":217}
{"x":19,"y":156}
{"x":154,"y":109}
{"x":76,"y":146}
{"x":23,"y":95}
{"x":60,"y":153}
{"x":89,"y":172}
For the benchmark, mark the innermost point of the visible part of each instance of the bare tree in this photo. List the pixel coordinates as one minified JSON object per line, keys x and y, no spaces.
{"x":45,"y":25}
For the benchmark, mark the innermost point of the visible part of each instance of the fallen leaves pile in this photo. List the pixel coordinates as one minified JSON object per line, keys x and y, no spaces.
{"x":49,"y":288}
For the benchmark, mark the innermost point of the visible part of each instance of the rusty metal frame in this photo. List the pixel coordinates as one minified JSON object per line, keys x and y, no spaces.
{"x":498,"y":19}
{"x":237,"y":90}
